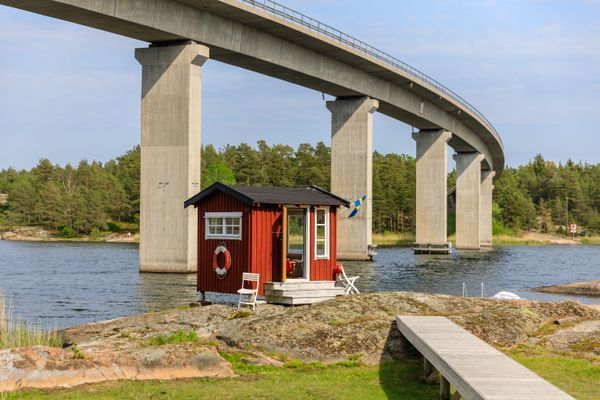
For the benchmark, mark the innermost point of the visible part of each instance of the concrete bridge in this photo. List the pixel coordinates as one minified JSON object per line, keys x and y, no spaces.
{"x":271,"y":39}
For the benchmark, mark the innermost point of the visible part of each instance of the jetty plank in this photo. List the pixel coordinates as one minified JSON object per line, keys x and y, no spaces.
{"x":477,"y":370}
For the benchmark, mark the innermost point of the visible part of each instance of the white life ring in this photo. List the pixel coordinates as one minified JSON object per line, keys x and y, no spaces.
{"x":221,"y":271}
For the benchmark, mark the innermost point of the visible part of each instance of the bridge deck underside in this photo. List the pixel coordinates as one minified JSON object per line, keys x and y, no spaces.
{"x":237,"y":34}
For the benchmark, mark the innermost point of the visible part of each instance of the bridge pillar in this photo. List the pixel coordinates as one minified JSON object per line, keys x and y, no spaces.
{"x":468,"y":200}
{"x":170,"y":165}
{"x":432,"y":188}
{"x":352,"y":171}
{"x":487,"y":187}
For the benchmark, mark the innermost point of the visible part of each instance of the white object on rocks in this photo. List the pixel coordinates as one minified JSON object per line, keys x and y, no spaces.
{"x":506,"y":296}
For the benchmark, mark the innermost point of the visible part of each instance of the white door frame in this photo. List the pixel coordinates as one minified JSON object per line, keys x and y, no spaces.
{"x":307,"y":239}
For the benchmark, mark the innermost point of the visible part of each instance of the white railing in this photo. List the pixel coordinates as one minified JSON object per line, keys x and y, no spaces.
{"x":312,"y":24}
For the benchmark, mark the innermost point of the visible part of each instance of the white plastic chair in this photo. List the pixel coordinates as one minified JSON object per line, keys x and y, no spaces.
{"x":248,"y":296}
{"x":347,"y":282}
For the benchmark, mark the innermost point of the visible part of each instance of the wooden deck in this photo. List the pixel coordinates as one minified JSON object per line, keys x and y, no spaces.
{"x":474,"y":368}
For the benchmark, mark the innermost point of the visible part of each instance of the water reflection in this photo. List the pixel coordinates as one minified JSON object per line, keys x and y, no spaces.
{"x":157,"y":291}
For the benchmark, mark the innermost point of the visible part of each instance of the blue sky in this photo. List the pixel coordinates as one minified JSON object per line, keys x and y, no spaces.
{"x":69,"y":92}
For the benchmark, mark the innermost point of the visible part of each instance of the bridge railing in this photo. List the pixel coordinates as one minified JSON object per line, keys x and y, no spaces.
{"x":312,"y":24}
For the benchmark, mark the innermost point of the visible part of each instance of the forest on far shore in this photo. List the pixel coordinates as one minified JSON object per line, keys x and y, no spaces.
{"x":93,"y":197}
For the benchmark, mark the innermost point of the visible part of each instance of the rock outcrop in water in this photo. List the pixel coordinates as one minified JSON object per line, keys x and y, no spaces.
{"x":591,"y":289}
{"x":353,"y":327}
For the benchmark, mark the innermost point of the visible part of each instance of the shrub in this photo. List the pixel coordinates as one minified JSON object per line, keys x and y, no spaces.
{"x":96,"y":234}
{"x":68,"y":232}
{"x":113,"y":226}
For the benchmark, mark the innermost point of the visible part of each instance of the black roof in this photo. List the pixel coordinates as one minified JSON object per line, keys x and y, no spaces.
{"x":251,"y":195}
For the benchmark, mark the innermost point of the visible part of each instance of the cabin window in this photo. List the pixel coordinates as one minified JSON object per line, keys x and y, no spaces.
{"x":223,"y":225}
{"x":322,"y":233}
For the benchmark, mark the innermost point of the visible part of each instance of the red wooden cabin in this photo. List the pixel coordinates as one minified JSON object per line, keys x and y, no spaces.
{"x":284,"y":234}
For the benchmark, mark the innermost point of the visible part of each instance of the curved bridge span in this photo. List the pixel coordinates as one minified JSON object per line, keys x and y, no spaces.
{"x":271,"y":39}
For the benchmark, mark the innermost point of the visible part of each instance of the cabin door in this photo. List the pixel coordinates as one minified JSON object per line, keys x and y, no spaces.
{"x":297,"y":263}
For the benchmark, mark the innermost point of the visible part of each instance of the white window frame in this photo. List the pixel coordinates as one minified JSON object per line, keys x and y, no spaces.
{"x":222,"y":215}
{"x":327,"y":237}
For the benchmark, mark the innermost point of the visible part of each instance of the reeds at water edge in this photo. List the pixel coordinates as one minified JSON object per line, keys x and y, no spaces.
{"x":15,"y":332}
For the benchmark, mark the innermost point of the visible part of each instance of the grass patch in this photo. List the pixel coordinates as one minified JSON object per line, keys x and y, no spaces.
{"x":590,"y":240}
{"x":77,"y":354}
{"x":354,"y":360}
{"x":550,"y":326}
{"x":393,"y":380}
{"x":243,"y":313}
{"x":517,"y":239}
{"x":579,"y":377}
{"x":588,"y":345}
{"x":393,"y":239}
{"x":300,"y":365}
{"x":17,"y":333}
{"x":358,"y":320}
{"x":125,"y":334}
{"x":177,"y":337}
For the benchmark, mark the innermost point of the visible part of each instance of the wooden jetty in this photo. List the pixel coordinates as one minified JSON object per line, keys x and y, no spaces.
{"x":476,"y":370}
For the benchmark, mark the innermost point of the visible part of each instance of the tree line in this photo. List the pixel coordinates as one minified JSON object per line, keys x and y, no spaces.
{"x":93,"y":197}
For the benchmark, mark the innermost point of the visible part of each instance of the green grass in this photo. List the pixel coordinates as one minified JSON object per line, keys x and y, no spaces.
{"x":392,"y":380}
{"x":580,"y":377}
{"x":177,"y":337}
{"x":590,"y":240}
{"x":517,"y":239}
{"x":393,"y":239}
{"x":17,"y":333}
{"x":125,"y":334}
{"x":243,"y":313}
{"x":77,"y":354}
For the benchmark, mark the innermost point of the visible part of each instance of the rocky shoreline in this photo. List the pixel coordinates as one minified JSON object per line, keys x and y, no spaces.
{"x":347,"y":328}
{"x":591,"y":289}
{"x":36,"y":234}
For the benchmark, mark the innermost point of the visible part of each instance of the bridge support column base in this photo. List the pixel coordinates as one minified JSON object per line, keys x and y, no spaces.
{"x":431,"y":187}
{"x":487,"y":187}
{"x":170,"y":164}
{"x":351,"y":171}
{"x":468,"y":200}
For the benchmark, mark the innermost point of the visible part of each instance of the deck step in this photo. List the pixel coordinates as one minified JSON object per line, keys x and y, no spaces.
{"x":301,"y":292}
{"x":299,"y":285}
{"x":306,"y":293}
{"x":292,"y":301}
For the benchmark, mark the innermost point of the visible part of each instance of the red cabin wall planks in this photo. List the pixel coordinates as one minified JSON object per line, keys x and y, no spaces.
{"x":266,"y":241}
{"x":239,"y":250}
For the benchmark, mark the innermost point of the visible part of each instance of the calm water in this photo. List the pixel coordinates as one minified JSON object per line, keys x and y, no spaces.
{"x":64,"y":284}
